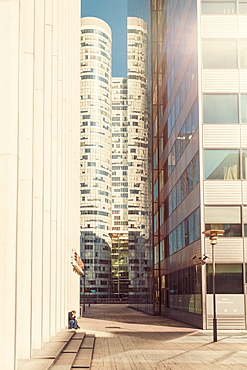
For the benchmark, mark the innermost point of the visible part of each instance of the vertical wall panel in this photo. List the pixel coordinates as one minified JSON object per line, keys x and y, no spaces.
{"x":24,"y":228}
{"x":38,"y":128}
{"x":39,"y":154}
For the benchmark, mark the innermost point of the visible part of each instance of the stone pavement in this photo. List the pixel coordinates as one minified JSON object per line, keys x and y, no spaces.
{"x":128,"y":339}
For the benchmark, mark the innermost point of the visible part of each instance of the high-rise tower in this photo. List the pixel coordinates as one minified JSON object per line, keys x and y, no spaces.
{"x":138,"y":155}
{"x":96,"y":149}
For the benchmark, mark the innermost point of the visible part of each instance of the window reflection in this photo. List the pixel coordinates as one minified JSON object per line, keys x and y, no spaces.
{"x":188,"y":180}
{"x":231,"y":230}
{"x":228,"y":279}
{"x":185,"y":233}
{"x":221,"y":164}
{"x":220,"y":108}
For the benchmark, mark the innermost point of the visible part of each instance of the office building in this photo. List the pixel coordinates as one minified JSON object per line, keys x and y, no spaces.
{"x":39,"y":188}
{"x":95,"y":157}
{"x":199,"y":95}
{"x":119,"y":234}
{"x":139,"y":205}
{"x":115,"y":218}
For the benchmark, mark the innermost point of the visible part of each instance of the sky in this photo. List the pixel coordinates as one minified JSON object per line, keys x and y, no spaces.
{"x":113,"y":12}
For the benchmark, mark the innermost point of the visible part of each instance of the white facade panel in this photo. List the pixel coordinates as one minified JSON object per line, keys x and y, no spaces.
{"x":244,"y":187}
{"x":222,"y":80}
{"x":227,"y":250}
{"x":216,"y":26}
{"x":222,"y":192}
{"x":243,"y":80}
{"x":244,"y":136}
{"x":245,"y":250}
{"x":29,"y":140}
{"x":242,"y":25}
{"x":221,"y":136}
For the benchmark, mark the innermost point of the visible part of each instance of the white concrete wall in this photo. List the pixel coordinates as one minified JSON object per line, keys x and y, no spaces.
{"x":39,"y":169}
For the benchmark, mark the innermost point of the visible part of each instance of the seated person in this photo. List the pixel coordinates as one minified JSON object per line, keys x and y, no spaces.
{"x":73,"y":324}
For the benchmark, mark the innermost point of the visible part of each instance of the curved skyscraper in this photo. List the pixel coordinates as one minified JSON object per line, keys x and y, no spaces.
{"x":96,"y":146}
{"x":139,"y":203}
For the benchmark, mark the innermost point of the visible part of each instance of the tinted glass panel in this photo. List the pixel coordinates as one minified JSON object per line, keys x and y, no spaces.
{"x":219,"y":54}
{"x":221,"y":164}
{"x":244,"y":108}
{"x":244,"y":164}
{"x":231,"y":230}
{"x":228,"y":279}
{"x":220,"y":108}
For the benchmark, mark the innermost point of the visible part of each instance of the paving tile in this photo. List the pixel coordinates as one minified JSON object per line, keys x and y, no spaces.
{"x":129,"y":339}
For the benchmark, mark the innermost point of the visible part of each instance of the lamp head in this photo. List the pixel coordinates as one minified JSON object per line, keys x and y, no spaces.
{"x":213,"y":234}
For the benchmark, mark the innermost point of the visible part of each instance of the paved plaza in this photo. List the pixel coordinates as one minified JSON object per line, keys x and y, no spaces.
{"x":128,"y":339}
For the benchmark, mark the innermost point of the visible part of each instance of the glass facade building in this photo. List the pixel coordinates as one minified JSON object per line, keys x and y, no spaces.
{"x":115,"y":166}
{"x":199,"y":89}
{"x":96,"y":147}
{"x":139,"y":200}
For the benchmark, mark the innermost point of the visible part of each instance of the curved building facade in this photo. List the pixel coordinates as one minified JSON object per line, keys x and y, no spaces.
{"x":139,"y":202}
{"x":96,"y":146}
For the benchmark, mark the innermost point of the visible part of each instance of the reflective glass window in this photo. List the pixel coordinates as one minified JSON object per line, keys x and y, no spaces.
{"x":222,"y":214}
{"x":220,"y":108}
{"x":218,"y":7}
{"x":245,"y":220}
{"x":244,"y":164}
{"x":228,"y":279}
{"x":244,"y":108}
{"x":242,"y":7}
{"x":221,"y":164}
{"x":219,"y":54}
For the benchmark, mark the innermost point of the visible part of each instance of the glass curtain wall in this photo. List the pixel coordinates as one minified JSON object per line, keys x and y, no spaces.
{"x":96,"y":147}
{"x":139,"y":169}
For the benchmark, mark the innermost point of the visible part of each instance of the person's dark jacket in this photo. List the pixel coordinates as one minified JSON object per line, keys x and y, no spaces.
{"x":72,"y":316}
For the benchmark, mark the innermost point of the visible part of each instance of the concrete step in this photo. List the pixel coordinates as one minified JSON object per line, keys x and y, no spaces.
{"x":73,"y":346}
{"x":85,"y":354}
{"x":83,"y":359}
{"x":37,"y":364}
{"x":88,"y":342}
{"x":50,"y":350}
{"x":63,"y":336}
{"x":66,"y":351}
{"x":64,"y":361}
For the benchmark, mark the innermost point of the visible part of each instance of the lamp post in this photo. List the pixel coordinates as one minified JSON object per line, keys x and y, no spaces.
{"x":213,"y":236}
{"x":84,"y":283}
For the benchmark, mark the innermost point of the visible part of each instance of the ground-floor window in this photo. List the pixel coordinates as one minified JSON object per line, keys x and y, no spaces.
{"x":228,"y":279}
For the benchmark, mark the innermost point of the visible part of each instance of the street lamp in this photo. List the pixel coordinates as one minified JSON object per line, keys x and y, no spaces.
{"x":213,"y":236}
{"x":84,"y":284}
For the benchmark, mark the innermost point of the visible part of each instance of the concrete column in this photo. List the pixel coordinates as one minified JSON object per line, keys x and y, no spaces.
{"x":9,"y":94}
{"x":24,"y":225}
